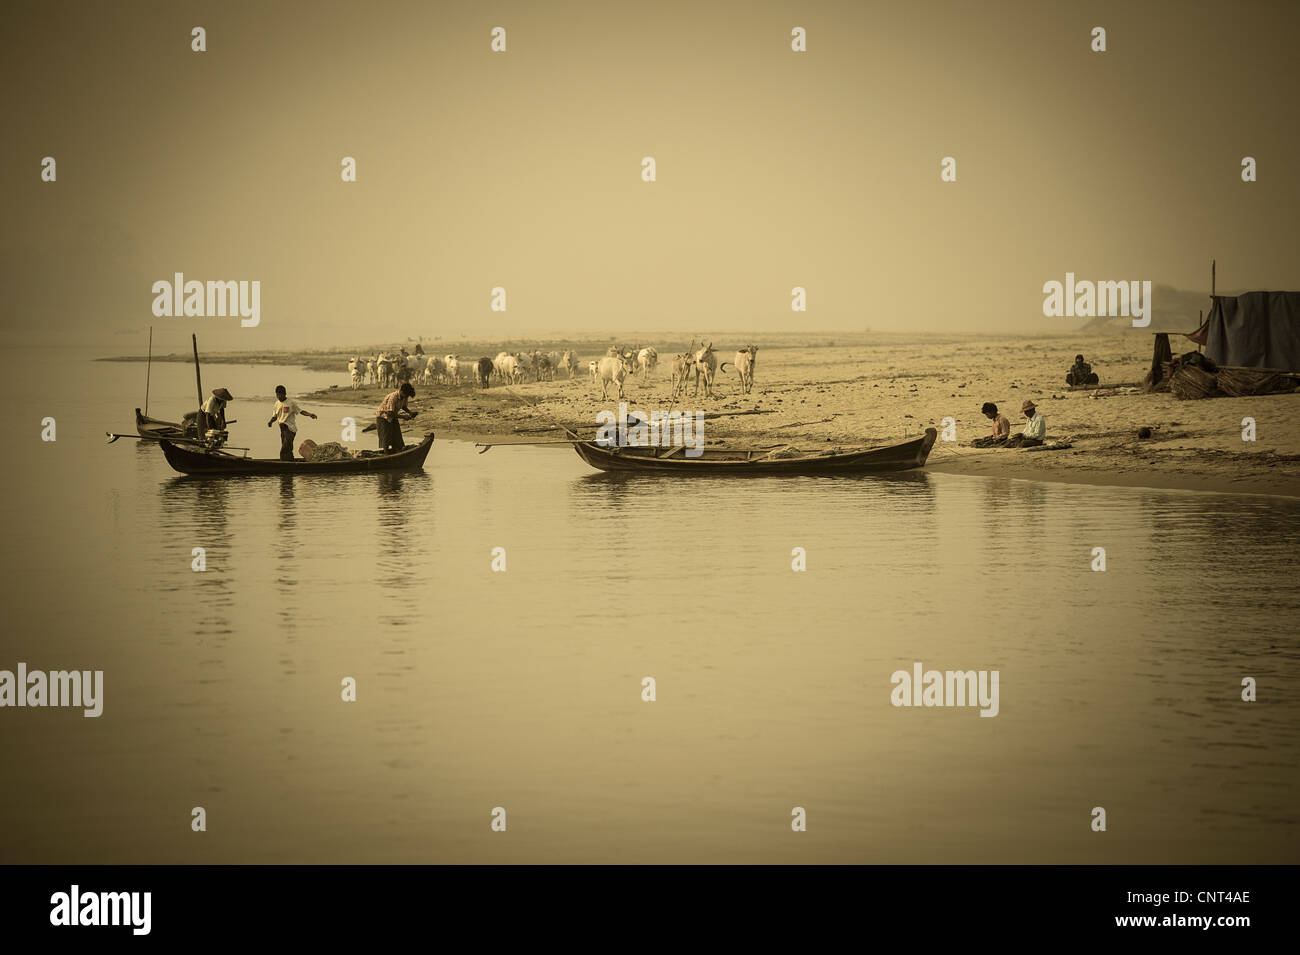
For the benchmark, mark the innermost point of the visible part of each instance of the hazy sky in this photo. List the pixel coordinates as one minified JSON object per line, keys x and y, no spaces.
{"x":523,"y":169}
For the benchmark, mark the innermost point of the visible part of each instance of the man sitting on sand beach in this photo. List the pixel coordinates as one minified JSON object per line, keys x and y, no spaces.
{"x":1035,"y":428}
{"x":1001,"y":427}
{"x":1080,"y":374}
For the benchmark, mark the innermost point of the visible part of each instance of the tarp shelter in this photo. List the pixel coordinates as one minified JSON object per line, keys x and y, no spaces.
{"x":1253,"y":330}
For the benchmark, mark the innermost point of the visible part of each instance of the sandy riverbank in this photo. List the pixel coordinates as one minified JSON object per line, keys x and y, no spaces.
{"x":828,"y":391}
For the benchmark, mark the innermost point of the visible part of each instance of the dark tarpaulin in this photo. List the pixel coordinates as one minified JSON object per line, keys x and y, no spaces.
{"x":1255,"y":330}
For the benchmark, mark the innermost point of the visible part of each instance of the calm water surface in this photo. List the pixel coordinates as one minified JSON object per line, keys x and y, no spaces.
{"x":522,"y":689}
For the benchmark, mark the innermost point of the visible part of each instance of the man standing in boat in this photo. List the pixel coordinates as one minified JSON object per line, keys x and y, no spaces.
{"x":286,"y":412}
{"x":387,"y":417}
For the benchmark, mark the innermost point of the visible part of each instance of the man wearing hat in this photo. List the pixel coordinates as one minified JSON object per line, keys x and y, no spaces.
{"x":212,"y":414}
{"x":1035,"y":428}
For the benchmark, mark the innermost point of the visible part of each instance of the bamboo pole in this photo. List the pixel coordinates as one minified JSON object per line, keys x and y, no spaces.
{"x":147,"y":368}
{"x":198,"y":382}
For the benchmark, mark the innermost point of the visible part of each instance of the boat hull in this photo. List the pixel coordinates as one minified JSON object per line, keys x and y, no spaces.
{"x":897,"y":457}
{"x":156,"y":429}
{"x":222,"y":464}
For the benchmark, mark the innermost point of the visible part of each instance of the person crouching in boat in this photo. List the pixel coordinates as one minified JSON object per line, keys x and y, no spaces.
{"x":212,"y":414}
{"x":1001,"y":427}
{"x":1035,"y":428}
{"x":387,"y":417}
{"x":286,"y":412}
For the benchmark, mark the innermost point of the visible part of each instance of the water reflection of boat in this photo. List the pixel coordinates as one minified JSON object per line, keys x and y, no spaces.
{"x":210,"y":463}
{"x":895,"y":457}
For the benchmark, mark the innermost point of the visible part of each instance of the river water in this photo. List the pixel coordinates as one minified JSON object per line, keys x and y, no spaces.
{"x":522,"y":689}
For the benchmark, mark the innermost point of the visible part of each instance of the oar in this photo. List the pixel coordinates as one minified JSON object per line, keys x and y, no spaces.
{"x":523,"y":444}
{"x":142,"y":437}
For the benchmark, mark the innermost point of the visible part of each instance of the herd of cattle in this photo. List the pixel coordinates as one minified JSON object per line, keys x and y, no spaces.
{"x":617,"y":365}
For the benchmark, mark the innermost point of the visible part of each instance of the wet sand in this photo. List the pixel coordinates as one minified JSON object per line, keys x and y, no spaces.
{"x":830,"y":391}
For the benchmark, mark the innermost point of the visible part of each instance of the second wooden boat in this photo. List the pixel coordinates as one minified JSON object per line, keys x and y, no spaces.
{"x":878,"y":460}
{"x":157,"y":429}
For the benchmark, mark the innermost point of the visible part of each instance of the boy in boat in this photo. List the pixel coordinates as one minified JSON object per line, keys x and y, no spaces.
{"x":1035,"y":428}
{"x":387,"y":417}
{"x":1001,"y":427}
{"x":286,"y":412}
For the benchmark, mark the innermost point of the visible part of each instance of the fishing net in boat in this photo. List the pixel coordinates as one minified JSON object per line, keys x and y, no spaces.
{"x":787,"y":452}
{"x":330,"y":451}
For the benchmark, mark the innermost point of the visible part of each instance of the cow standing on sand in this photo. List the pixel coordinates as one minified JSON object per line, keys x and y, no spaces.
{"x":705,"y":366}
{"x":746,"y":359}
{"x":357,"y":372}
{"x":567,"y":364}
{"x":614,"y":369}
{"x":682,"y":365}
{"x":647,"y":359}
{"x":483,"y":372}
{"x":593,"y":370}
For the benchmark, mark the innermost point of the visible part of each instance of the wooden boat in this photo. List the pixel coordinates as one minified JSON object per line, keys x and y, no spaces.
{"x":895,"y":457}
{"x":193,"y":460}
{"x":156,"y":429}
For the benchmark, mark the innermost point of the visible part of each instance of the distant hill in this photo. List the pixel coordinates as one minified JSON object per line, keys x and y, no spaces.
{"x":1173,"y":310}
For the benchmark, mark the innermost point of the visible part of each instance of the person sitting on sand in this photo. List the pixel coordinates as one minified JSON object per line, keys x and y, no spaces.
{"x":1080,"y":374}
{"x":1001,"y":427}
{"x":386,"y":418}
{"x":1035,"y":429}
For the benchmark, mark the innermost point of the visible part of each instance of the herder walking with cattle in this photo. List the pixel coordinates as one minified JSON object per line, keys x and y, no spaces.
{"x":286,"y":412}
{"x":387,"y":417}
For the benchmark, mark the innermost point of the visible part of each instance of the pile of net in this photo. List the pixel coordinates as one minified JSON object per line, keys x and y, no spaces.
{"x":318,"y":453}
{"x":786,"y":452}
{"x":1241,"y":382}
{"x":1191,"y":382}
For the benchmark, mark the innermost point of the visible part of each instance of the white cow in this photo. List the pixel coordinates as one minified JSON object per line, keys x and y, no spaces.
{"x":614,"y":369}
{"x":357,"y":371}
{"x":567,"y":364}
{"x":372,"y":372}
{"x":594,"y":371}
{"x":387,"y":374}
{"x":682,"y":365}
{"x":498,"y":364}
{"x":452,"y":364}
{"x":706,"y":366}
{"x":434,"y":369}
{"x":746,"y":359}
{"x":510,"y":370}
{"x":646,"y":359}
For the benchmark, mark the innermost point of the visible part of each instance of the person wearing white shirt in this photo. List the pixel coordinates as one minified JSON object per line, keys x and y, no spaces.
{"x":286,"y":412}
{"x":1035,"y":428}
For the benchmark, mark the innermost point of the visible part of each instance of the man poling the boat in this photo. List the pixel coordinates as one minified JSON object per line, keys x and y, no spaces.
{"x":387,"y":417}
{"x":286,"y":412}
